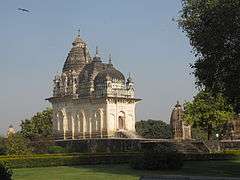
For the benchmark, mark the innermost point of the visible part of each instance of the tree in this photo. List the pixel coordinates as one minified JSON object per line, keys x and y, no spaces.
{"x":3,"y":149}
{"x":153,"y":129}
{"x":17,"y":145}
{"x":208,"y":112}
{"x":213,"y":27}
{"x":39,"y":126}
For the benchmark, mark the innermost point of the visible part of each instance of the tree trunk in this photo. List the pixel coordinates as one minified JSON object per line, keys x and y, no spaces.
{"x":209,"y":131}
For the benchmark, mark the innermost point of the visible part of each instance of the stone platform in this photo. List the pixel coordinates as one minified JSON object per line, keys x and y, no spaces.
{"x":129,"y":145}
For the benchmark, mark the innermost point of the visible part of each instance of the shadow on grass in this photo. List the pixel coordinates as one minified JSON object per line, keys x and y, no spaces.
{"x":198,"y":168}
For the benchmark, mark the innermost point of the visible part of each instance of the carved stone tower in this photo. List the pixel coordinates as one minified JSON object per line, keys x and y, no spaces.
{"x":180,"y":130}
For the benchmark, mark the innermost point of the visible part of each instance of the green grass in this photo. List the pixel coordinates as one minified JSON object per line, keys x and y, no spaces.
{"x":107,"y":172}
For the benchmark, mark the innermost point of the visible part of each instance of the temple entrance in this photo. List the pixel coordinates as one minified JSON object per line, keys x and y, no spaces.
{"x":121,"y":120}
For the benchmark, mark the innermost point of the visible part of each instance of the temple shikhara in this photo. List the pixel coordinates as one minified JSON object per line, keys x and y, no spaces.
{"x":180,"y":130}
{"x":91,"y":98}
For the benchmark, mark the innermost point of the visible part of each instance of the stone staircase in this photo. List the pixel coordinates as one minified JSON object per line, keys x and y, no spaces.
{"x":191,"y":147}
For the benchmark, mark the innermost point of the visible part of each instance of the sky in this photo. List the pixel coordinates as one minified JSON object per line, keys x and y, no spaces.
{"x":140,"y":35}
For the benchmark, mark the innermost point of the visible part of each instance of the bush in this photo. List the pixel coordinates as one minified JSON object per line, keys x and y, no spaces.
{"x":153,"y":129}
{"x":166,"y":161}
{"x":5,"y":172}
{"x":46,"y":160}
{"x":232,"y":152}
{"x":157,"y":155}
{"x":16,"y":145}
{"x":40,"y":145}
{"x":3,"y":149}
{"x":55,"y":149}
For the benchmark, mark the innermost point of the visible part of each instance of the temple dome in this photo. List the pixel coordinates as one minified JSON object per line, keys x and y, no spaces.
{"x":110,"y":73}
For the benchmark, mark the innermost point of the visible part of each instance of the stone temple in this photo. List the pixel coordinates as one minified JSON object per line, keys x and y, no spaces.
{"x":180,"y":130}
{"x":92,"y":99}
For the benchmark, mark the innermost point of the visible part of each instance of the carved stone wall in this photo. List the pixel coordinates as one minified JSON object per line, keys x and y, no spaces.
{"x":92,"y":119}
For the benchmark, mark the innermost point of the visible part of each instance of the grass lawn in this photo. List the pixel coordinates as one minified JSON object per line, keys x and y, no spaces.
{"x":105,"y":172}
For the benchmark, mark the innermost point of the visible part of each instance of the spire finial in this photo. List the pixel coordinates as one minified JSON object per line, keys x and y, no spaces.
{"x":96,"y":52}
{"x":110,"y":59}
{"x":129,"y":79}
{"x":178,"y":104}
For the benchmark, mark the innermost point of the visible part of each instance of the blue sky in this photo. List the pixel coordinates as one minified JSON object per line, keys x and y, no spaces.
{"x":140,"y":35}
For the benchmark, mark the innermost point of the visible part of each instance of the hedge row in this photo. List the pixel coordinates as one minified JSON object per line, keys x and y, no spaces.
{"x":46,"y":160}
{"x":233,"y":152}
{"x":209,"y":157}
{"x":65,"y":154}
{"x":67,"y":160}
{"x":154,"y":161}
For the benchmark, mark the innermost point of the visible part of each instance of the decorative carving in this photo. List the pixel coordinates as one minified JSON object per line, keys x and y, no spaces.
{"x":180,"y":130}
{"x":90,"y":96}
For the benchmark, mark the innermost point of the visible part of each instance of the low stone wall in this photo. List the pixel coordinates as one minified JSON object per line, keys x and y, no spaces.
{"x":230,"y":145}
{"x":111,"y":145}
{"x":101,"y":145}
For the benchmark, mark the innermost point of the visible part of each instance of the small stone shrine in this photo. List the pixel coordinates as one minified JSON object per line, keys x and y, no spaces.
{"x":180,"y":130}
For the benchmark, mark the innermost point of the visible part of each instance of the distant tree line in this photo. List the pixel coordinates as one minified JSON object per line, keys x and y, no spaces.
{"x":35,"y":136}
{"x":153,"y":129}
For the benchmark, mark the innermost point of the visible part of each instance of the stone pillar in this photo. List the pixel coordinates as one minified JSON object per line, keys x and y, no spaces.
{"x":77,"y":126}
{"x":65,"y":125}
{"x":73,"y":125}
{"x":90,"y":127}
{"x":83,"y":125}
{"x":101,"y":123}
{"x":58,"y":122}
{"x":69,"y":126}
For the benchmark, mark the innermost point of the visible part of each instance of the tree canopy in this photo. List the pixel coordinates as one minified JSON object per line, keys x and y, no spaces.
{"x":40,"y":125}
{"x":17,"y":145}
{"x":3,"y":149}
{"x":153,"y":129}
{"x":208,"y":112}
{"x":213,"y":28}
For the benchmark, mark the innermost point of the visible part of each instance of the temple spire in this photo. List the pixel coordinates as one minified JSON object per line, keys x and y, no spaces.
{"x":97,"y":57}
{"x":110,"y":59}
{"x":97,"y":54}
{"x":78,"y":34}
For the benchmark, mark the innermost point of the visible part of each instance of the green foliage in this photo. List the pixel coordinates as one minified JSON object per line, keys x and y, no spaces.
{"x":232,"y":152}
{"x":168,"y":161}
{"x":199,"y":134}
{"x":153,"y":129}
{"x":66,"y":159}
{"x":213,"y":27}
{"x":41,"y":145}
{"x":3,"y":149}
{"x":158,"y":148}
{"x":39,"y":126}
{"x":16,"y":144}
{"x":56,"y":149}
{"x":5,"y":172}
{"x":157,"y":156}
{"x":208,"y":112}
